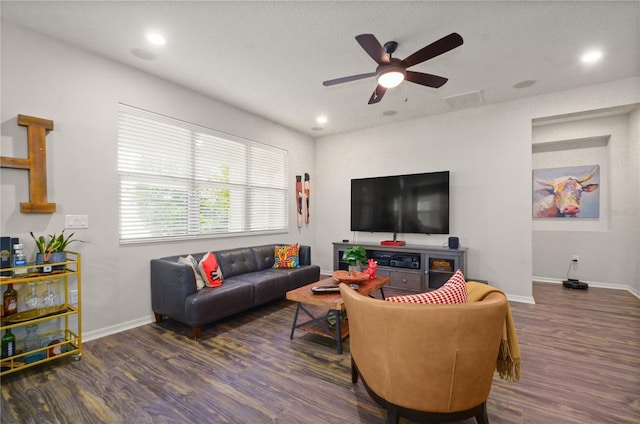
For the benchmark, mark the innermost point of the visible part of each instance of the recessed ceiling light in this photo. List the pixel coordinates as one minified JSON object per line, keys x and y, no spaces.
{"x":389,"y":112}
{"x":157,"y":39}
{"x":317,"y":128}
{"x":321,"y":119}
{"x":592,"y":56}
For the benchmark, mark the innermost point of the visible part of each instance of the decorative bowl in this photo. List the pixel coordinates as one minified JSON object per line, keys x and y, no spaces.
{"x":350,"y":276}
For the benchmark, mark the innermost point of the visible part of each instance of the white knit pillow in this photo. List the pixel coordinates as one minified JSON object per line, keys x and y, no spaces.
{"x":189,"y":260}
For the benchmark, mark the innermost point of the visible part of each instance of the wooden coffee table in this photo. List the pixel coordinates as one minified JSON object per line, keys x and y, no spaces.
{"x":319,"y":324}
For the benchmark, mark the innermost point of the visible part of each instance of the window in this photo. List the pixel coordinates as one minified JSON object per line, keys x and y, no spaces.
{"x":179,"y":180}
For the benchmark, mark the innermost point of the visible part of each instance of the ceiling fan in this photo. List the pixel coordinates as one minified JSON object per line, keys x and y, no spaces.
{"x":391,"y":71}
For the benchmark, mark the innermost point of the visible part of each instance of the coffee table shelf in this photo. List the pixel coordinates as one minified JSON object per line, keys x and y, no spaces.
{"x":319,"y":324}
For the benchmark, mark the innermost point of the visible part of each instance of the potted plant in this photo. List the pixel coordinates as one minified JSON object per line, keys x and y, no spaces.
{"x":51,"y":250}
{"x":356,"y":257}
{"x":45,"y":248}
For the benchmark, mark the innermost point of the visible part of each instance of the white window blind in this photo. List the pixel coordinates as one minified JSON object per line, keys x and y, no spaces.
{"x":179,"y":180}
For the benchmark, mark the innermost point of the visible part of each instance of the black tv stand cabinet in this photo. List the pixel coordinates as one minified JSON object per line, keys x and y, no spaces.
{"x":414,"y":268}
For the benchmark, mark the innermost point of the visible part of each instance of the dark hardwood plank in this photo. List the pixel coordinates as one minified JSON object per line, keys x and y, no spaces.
{"x":580,"y":353}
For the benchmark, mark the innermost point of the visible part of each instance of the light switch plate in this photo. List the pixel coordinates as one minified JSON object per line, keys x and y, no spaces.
{"x":76,"y":221}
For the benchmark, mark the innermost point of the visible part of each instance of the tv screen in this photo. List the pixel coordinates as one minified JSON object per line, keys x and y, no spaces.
{"x":409,"y":204}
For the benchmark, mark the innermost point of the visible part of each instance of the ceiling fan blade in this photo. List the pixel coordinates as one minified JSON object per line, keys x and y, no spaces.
{"x":377,"y":94}
{"x":429,"y":80}
{"x":434,"y":49}
{"x":347,"y":79}
{"x":372,"y":46}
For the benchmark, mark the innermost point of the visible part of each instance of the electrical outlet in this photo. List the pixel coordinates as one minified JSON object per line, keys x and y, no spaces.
{"x":73,"y":297}
{"x":576,"y":258}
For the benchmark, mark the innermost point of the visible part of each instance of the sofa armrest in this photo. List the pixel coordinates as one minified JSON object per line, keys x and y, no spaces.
{"x":171,"y":283}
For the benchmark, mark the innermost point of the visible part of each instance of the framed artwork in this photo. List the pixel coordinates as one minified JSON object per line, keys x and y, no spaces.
{"x":569,"y":192}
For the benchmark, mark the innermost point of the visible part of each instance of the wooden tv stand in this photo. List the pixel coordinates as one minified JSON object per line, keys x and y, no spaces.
{"x":414,"y":268}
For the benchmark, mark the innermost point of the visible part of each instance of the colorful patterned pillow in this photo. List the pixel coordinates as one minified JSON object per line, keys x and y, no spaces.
{"x":453,"y":291}
{"x":286,"y":257}
{"x":191,"y":261}
{"x":211,"y":273}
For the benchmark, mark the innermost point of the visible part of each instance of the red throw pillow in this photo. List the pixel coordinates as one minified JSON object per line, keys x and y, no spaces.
{"x":211,"y":273}
{"x":453,"y":291}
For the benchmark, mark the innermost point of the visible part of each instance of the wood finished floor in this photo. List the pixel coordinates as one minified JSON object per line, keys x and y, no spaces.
{"x":580,"y":353}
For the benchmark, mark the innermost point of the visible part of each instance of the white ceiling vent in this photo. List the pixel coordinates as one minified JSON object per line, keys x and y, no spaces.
{"x":466,"y":100}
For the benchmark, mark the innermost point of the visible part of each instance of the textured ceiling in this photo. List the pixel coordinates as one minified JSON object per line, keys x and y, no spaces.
{"x":270,"y":57}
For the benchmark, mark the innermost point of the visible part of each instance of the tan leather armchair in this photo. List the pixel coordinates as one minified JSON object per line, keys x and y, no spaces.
{"x":426,"y":362}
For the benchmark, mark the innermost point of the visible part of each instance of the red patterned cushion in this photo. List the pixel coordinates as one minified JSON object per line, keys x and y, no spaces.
{"x":210,"y":270}
{"x":453,"y":291}
{"x":286,"y":257}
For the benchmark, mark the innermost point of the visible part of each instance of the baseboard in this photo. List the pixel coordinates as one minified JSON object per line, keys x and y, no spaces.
{"x":597,"y":284}
{"x":520,"y":299}
{"x":123,"y":326}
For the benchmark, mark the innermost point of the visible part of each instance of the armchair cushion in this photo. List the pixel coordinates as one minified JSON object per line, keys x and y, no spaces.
{"x":453,"y":291}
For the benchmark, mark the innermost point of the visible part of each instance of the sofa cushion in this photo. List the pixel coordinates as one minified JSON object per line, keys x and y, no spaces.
{"x":453,"y":291}
{"x":286,"y":256}
{"x":268,"y":285}
{"x":190,"y":260}
{"x":264,"y":256}
{"x":213,"y":303}
{"x":299,"y":277}
{"x":236,"y":261}
{"x":210,"y":270}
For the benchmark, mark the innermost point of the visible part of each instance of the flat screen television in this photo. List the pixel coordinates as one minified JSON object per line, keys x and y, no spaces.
{"x":408,"y":204}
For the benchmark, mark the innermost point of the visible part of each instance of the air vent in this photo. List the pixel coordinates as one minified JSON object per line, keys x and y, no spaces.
{"x":466,"y":100}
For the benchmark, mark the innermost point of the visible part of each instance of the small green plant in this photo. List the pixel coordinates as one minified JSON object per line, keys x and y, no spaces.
{"x":54,"y":243}
{"x":44,"y":246}
{"x":355,"y":255}
{"x":60,"y":242}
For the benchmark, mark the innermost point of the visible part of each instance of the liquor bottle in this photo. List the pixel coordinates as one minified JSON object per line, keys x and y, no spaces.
{"x":10,"y":301}
{"x":18,"y":261}
{"x":8,"y":344}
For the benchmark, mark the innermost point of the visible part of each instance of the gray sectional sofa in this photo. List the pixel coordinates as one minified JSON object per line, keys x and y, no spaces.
{"x":249,"y":280}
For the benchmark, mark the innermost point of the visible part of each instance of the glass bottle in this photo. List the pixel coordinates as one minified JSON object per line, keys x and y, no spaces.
{"x":8,"y":344}
{"x":10,"y":300}
{"x":32,"y":342}
{"x":18,"y":261}
{"x":31,"y":299}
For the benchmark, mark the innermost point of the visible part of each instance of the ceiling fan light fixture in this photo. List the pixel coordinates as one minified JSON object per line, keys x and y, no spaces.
{"x":391,"y":76}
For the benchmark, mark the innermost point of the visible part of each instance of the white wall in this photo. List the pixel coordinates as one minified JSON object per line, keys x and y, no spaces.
{"x":80,"y":93}
{"x":608,"y":245}
{"x":487,"y":150}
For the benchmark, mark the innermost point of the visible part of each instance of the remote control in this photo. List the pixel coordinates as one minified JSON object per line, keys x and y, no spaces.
{"x":330,"y":289}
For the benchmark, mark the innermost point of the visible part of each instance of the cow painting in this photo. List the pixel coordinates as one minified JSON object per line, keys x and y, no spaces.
{"x":559,"y":192}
